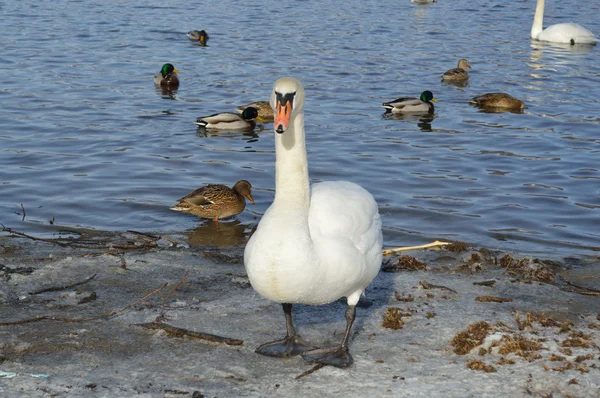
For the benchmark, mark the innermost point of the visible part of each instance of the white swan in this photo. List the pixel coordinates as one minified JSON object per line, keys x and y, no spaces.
{"x":311,"y":248}
{"x":569,"y":33}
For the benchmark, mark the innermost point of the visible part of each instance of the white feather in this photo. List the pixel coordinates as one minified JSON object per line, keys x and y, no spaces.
{"x":312,"y":248}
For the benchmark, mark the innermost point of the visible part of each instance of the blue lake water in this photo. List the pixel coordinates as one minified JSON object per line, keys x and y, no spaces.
{"x":88,"y":141}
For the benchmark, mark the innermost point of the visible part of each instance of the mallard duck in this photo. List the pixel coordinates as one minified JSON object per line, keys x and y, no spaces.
{"x":216,"y":200}
{"x":167,"y":77}
{"x":198,"y":35}
{"x":411,"y":104}
{"x":315,"y":244}
{"x":568,"y":33}
{"x":497,"y":100}
{"x":265,"y":112}
{"x":458,"y":74}
{"x":230,"y":120}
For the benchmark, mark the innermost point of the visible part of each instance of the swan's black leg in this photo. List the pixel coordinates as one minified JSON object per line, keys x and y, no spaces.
{"x":289,"y":346}
{"x":335,"y":356}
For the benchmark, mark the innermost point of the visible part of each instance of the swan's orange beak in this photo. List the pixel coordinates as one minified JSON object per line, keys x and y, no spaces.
{"x":283,"y":112}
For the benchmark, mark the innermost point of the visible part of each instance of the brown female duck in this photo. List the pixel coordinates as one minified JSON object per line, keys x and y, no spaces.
{"x":497,"y":101}
{"x":216,"y":200}
{"x":458,"y":74}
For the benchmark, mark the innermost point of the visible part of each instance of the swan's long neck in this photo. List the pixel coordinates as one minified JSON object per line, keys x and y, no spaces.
{"x":538,"y":19}
{"x":291,"y":167}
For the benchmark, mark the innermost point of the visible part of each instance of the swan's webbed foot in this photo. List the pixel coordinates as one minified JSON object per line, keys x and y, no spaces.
{"x":335,"y":356}
{"x":289,"y":346}
{"x":284,"y":348}
{"x":338,"y":356}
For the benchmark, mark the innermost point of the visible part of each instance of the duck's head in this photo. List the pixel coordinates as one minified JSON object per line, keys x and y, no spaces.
{"x":427,"y":96}
{"x":464,"y":64}
{"x":250,"y":113}
{"x":244,"y":188}
{"x":167,"y":69}
{"x":287,"y":100}
{"x":199,"y":35}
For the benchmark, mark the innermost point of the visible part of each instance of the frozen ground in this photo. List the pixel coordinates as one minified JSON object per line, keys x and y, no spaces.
{"x":524,"y":355}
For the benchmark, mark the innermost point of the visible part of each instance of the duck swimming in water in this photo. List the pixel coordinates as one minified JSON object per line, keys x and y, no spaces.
{"x":167,"y":77}
{"x":230,"y":120}
{"x":199,"y":36}
{"x":458,"y":74}
{"x":265,"y":112}
{"x":411,"y":104}
{"x":498,"y":101}
{"x":216,"y":201}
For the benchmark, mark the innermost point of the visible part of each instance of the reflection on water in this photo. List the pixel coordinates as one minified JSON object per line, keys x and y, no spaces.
{"x":491,"y":109}
{"x":248,"y":135}
{"x":461,"y":84}
{"x":560,"y":49}
{"x":229,"y":233}
{"x":422,"y":120}
{"x":166,"y":93}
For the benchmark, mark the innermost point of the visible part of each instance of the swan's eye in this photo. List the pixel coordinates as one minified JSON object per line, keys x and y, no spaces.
{"x":284,"y":99}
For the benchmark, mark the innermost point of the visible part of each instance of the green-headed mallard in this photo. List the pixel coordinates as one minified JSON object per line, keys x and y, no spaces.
{"x":265,"y":112}
{"x":216,"y":200}
{"x":167,"y":77}
{"x":198,"y":35}
{"x":230,"y":120}
{"x":411,"y":104}
{"x":497,"y":100}
{"x":458,"y":74}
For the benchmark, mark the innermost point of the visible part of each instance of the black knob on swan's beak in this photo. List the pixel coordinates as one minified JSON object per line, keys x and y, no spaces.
{"x":279,"y":129}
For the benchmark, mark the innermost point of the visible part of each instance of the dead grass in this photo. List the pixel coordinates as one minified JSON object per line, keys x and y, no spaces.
{"x":543,"y":320}
{"x":404,"y":263}
{"x":463,"y":342}
{"x":571,"y":366}
{"x":477,"y":364}
{"x":458,"y":246}
{"x":556,"y":358}
{"x":578,"y":339}
{"x":505,"y":361}
{"x":521,"y":346}
{"x":403,"y":298}
{"x":527,"y":268}
{"x":493,"y":299}
{"x":392,"y":319}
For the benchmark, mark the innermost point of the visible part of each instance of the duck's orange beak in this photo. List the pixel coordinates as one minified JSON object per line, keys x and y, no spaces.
{"x":283,"y":111}
{"x":250,"y":198}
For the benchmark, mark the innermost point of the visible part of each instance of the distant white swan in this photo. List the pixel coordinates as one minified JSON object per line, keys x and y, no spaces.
{"x":311,"y":248}
{"x":569,"y":33}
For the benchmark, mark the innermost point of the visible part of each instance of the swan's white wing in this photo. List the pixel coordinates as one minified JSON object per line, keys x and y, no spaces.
{"x":564,"y":32}
{"x":345,"y":228}
{"x":344,"y":209}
